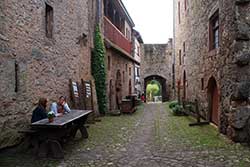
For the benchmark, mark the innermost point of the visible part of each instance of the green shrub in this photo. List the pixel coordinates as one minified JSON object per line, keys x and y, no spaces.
{"x":178,"y":110}
{"x":173,"y":104}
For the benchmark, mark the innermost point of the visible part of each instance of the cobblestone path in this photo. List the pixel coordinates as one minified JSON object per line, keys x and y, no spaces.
{"x":160,"y":141}
{"x":151,"y":137}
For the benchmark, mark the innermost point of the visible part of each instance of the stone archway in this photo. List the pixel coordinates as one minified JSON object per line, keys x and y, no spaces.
{"x":213,"y":101}
{"x":162,"y":81}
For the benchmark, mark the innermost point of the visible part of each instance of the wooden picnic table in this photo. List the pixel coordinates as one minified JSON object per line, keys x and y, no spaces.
{"x":50,"y":136}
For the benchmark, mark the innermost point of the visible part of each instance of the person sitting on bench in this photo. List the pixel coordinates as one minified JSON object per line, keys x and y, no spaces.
{"x":40,"y":112}
{"x":60,"y":107}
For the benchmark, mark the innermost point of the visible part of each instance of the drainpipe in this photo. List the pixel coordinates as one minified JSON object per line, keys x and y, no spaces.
{"x":98,"y":11}
{"x":173,"y":55}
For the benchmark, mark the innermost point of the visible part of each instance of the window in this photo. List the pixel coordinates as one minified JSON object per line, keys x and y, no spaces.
{"x":214,"y":31}
{"x":130,"y":87}
{"x":109,"y":63}
{"x":179,"y":12}
{"x":138,"y":50}
{"x":184,"y":48}
{"x":185,"y":4}
{"x":129,"y":71}
{"x":173,"y":76}
{"x":16,"y":77}
{"x":123,"y":76}
{"x":202,"y":83}
{"x":127,"y":34}
{"x":126,"y":67}
{"x":49,"y":21}
{"x":180,"y":57}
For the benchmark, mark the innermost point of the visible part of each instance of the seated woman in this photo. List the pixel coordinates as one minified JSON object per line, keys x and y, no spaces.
{"x":40,"y":111}
{"x":60,"y":107}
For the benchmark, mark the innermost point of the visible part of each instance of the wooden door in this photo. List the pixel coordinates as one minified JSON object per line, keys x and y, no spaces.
{"x":213,"y":97}
{"x":215,"y":105}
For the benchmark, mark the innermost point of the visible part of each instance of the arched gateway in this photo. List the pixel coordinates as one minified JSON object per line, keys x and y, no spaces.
{"x":162,"y":81}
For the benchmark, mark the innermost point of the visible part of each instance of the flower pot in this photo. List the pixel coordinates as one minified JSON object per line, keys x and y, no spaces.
{"x":51,"y":119}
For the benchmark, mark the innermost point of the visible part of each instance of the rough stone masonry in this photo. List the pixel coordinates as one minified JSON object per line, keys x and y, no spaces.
{"x":156,"y":64}
{"x":225,"y":68}
{"x":33,"y":65}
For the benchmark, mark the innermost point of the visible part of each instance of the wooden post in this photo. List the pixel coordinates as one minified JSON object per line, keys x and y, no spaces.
{"x":84,"y":94}
{"x":198,"y":116}
{"x":71,"y":93}
{"x":92,"y":100}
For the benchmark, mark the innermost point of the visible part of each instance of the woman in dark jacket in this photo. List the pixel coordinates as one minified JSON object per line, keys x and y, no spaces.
{"x":40,"y":111}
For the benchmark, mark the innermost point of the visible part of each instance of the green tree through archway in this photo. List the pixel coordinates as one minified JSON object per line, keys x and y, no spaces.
{"x":153,"y":89}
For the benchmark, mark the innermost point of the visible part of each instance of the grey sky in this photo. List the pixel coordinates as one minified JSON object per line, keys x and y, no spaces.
{"x":153,"y":19}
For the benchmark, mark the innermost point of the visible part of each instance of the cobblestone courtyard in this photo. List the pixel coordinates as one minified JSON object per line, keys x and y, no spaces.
{"x":151,"y":137}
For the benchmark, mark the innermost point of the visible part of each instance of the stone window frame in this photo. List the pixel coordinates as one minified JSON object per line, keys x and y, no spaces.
{"x":214,"y":31}
{"x":49,"y":20}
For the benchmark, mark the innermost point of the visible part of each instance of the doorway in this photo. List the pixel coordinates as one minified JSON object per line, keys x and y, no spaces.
{"x":213,"y":101}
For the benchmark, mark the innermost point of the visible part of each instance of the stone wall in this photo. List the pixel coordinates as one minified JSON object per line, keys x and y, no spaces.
{"x":34,"y":66}
{"x":156,"y":61}
{"x":228,"y":65}
{"x":118,"y":62}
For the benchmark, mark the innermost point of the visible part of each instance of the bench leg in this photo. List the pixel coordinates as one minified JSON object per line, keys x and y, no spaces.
{"x":73,"y":132}
{"x":35,"y":145}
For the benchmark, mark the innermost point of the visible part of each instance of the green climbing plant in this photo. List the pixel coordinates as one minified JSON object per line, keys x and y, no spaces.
{"x":99,"y":70}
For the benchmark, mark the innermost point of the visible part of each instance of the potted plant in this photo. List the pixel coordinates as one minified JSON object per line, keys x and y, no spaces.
{"x":51,"y":116}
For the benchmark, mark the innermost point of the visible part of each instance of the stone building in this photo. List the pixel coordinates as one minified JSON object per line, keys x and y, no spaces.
{"x":156,"y":65}
{"x":43,"y":44}
{"x":211,"y":58}
{"x":137,"y":54}
{"x":118,"y":28}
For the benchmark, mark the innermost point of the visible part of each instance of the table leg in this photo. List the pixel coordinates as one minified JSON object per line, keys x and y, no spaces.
{"x":43,"y":150}
{"x":84,"y":132}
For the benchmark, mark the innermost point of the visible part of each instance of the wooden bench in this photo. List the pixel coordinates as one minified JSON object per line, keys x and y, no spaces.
{"x":196,"y":112}
{"x":29,"y":142}
{"x":50,"y":136}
